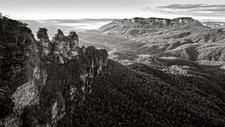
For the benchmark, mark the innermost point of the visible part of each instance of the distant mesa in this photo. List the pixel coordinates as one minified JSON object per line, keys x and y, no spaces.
{"x":144,"y":29}
{"x":157,"y":21}
{"x":182,"y":37}
{"x":139,"y":27}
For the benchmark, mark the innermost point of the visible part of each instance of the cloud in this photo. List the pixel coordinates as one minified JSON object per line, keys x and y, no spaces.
{"x":203,"y":10}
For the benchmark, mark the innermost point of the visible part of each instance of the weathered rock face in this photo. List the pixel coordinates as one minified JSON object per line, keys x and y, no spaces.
{"x":60,"y":43}
{"x":65,"y":46}
{"x":73,"y":39}
{"x":157,"y":21}
{"x":22,"y":73}
{"x":43,"y":82}
{"x":44,"y":44}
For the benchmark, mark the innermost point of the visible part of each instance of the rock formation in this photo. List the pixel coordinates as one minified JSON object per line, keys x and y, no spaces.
{"x":44,"y":44}
{"x":42,"y":82}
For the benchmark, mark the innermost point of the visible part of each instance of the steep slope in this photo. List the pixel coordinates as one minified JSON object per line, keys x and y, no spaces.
{"x":210,"y":71}
{"x":213,"y":24}
{"x":142,"y":96}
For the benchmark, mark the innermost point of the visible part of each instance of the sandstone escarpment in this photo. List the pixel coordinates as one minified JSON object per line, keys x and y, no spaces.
{"x":157,"y":21}
{"x":145,"y":29}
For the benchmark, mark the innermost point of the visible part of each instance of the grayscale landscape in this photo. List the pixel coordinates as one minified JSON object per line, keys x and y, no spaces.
{"x":110,"y":63}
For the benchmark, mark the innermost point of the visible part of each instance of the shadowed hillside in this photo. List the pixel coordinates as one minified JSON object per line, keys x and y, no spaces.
{"x":140,"y":96}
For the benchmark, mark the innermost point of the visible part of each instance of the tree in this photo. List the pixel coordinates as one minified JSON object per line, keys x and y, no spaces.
{"x":219,"y":31}
{"x":16,"y":33}
{"x":1,"y":17}
{"x":42,"y":33}
{"x":4,"y":24}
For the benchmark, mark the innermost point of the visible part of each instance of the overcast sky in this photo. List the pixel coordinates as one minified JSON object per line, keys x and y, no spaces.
{"x":78,"y":9}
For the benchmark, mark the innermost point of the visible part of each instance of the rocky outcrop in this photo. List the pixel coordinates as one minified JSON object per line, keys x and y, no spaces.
{"x":43,"y":82}
{"x":65,"y":45}
{"x":44,"y":44}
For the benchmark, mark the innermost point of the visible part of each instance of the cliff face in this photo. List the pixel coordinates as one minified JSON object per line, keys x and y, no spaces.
{"x":44,"y":44}
{"x":43,"y":82}
{"x":22,"y":72}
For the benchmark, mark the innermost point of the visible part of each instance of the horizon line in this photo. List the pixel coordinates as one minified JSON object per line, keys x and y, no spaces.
{"x":196,"y":18}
